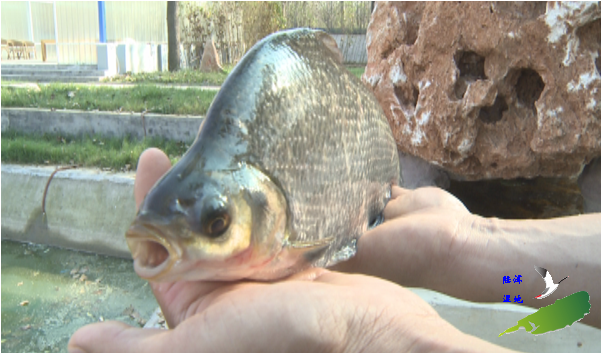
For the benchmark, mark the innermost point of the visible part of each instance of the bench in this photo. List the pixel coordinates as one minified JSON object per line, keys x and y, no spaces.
{"x":19,"y":49}
{"x":29,"y":49}
{"x":44,"y":43}
{"x":5,"y":47}
{"x":15,"y":48}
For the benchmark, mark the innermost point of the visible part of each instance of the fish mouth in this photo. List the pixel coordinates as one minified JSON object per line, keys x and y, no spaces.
{"x":153,"y":254}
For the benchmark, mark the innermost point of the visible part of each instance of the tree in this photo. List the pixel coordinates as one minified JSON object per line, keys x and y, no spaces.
{"x":173,"y":36}
{"x":260,"y":18}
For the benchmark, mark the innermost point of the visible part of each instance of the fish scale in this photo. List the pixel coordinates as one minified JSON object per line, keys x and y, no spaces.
{"x":289,"y":112}
{"x":331,"y":121}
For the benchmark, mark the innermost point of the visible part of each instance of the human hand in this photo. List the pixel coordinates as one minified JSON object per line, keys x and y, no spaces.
{"x":430,"y":240}
{"x":316,"y":310}
{"x":419,"y":243}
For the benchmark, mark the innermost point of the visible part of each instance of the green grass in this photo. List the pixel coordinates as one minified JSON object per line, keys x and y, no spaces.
{"x":357,"y":70}
{"x":183,"y":77}
{"x":193,"y":77}
{"x":52,"y":149}
{"x":144,"y":96}
{"x":89,"y":98}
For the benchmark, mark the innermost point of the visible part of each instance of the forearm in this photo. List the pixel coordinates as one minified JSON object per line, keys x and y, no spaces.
{"x":450,"y":340}
{"x":489,"y":249}
{"x":432,"y":335}
{"x":389,"y":327}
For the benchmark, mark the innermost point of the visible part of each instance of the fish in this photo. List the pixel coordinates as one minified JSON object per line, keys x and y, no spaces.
{"x":294,"y":161}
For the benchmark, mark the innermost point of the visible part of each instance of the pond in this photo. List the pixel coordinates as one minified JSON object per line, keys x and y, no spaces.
{"x":48,"y":293}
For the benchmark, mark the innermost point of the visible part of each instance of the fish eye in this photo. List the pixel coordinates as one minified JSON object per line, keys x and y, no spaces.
{"x":215,"y":217}
{"x":218,"y":225}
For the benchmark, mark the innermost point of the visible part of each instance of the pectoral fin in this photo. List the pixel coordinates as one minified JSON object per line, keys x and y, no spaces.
{"x":310,"y":251}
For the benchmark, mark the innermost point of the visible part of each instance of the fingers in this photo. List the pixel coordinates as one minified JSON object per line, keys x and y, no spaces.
{"x":407,"y":201}
{"x":399,"y":192}
{"x":310,"y":274}
{"x":392,"y":209}
{"x":113,"y":336}
{"x":153,"y":164}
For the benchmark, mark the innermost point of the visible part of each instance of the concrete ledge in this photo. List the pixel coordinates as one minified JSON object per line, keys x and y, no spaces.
{"x":52,"y":78}
{"x":10,"y":67}
{"x":86,"y":209}
{"x":108,"y":124}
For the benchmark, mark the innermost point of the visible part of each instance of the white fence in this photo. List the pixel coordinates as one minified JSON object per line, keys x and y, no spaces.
{"x":353,"y":47}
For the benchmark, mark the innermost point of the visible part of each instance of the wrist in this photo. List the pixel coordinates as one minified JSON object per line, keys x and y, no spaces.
{"x":475,"y":252}
{"x":462,"y":253}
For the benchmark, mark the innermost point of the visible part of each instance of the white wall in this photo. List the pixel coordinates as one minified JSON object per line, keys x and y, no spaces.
{"x":14,"y":20}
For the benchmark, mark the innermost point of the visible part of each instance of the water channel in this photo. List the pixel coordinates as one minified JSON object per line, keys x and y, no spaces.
{"x":48,"y":293}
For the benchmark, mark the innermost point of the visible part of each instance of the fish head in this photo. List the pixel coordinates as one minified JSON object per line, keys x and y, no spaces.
{"x":208,"y":225}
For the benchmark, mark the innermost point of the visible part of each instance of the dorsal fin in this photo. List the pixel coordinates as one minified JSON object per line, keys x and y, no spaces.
{"x":331,"y":45}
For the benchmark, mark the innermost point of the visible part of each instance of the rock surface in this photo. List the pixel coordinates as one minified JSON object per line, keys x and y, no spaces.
{"x":210,"y":61}
{"x":490,"y":89}
{"x":589,"y":183}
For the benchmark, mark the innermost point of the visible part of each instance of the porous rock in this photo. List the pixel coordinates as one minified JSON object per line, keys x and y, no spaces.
{"x":490,"y":89}
{"x":210,"y":60}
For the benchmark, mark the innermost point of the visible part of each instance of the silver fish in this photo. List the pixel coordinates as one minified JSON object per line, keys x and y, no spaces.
{"x":294,"y":162}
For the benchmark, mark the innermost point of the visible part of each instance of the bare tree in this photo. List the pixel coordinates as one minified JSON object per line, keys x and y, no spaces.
{"x":173,"y":36}
{"x":343,"y":17}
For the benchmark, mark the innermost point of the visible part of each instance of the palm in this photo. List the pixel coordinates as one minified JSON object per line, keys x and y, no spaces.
{"x":307,"y":305}
{"x":179,"y":300}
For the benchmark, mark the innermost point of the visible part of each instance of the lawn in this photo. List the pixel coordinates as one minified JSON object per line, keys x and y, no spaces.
{"x":356,"y":70}
{"x":193,"y":77}
{"x":91,"y":151}
{"x":183,"y":77}
{"x":111,"y":153}
{"x":143,"y":96}
{"x":137,"y":98}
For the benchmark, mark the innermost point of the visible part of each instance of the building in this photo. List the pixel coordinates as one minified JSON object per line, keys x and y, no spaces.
{"x":116,"y":35}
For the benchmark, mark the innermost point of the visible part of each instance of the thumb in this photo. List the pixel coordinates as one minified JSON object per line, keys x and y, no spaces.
{"x":113,"y":336}
{"x":153,"y":164}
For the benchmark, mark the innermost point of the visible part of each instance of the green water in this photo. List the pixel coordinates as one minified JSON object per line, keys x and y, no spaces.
{"x":65,"y":290}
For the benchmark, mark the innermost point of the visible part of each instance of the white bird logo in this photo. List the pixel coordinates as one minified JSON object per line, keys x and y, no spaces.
{"x":550,"y":286}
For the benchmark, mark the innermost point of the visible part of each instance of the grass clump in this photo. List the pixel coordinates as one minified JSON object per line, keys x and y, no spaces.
{"x":138,"y":98}
{"x":183,"y":77}
{"x":357,"y":70}
{"x":193,"y":77}
{"x":89,"y":151}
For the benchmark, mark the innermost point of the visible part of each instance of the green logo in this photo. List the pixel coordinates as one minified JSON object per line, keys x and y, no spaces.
{"x":563,"y":313}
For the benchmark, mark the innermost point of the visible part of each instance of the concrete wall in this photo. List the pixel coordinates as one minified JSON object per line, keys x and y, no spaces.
{"x":39,"y":121}
{"x":86,"y":209}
